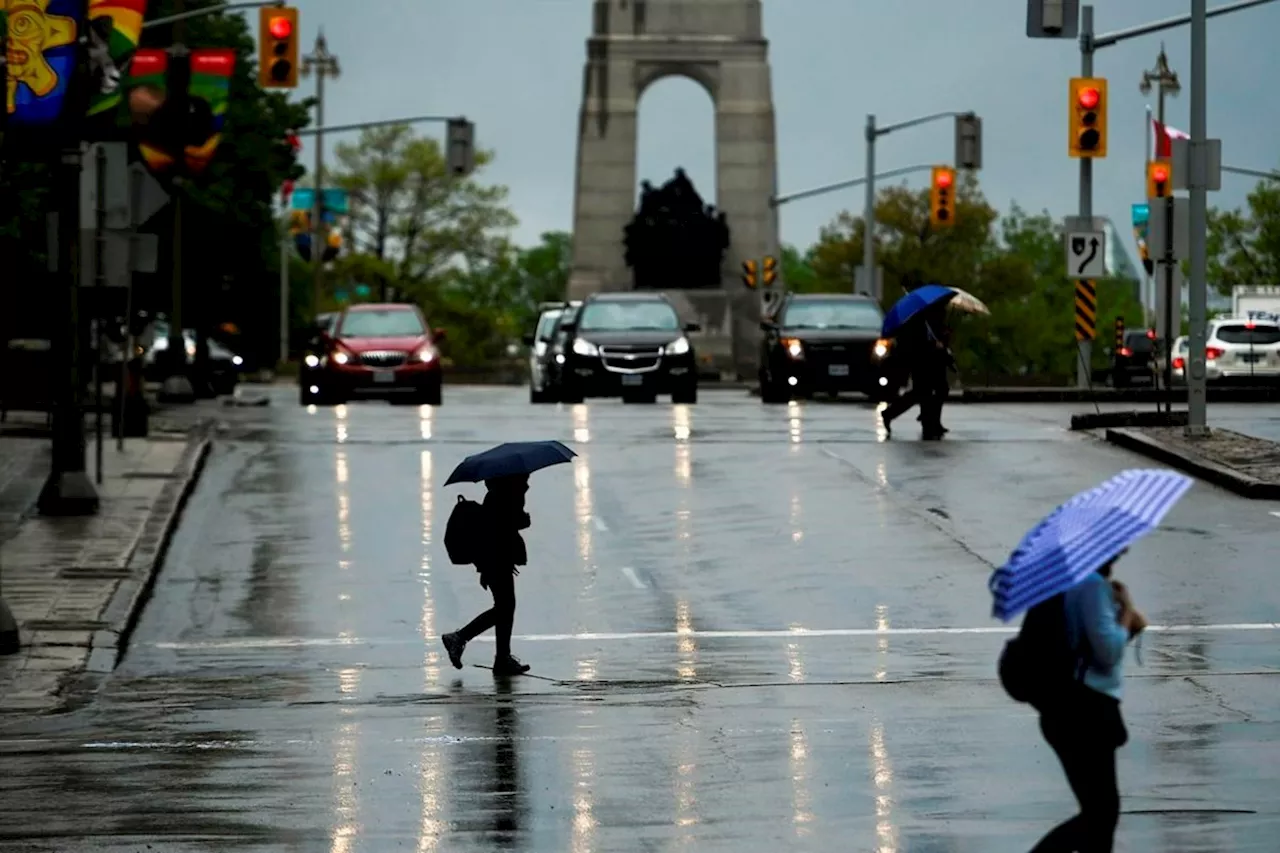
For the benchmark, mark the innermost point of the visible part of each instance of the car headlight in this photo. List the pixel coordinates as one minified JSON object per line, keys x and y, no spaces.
{"x":794,"y":348}
{"x":583,"y":347}
{"x":559,"y":358}
{"x":881,"y":349}
{"x":340,"y":357}
{"x":237,"y":360}
{"x":679,"y":346}
{"x":312,"y":360}
{"x":426,"y":355}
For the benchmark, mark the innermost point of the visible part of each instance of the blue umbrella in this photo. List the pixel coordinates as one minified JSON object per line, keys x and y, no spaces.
{"x":1082,"y":536}
{"x":510,"y":459}
{"x":913,"y":303}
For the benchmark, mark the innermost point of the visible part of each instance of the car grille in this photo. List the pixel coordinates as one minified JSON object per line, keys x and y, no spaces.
{"x":624,"y":359}
{"x":383,"y":358}
{"x":857,"y":356}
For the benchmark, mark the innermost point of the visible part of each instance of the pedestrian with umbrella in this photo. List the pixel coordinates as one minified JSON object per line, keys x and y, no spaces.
{"x":1068,"y":658}
{"x":488,"y":536}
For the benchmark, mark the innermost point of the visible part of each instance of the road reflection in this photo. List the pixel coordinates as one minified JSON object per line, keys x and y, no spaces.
{"x":686,"y":753}
{"x":582,"y":839}
{"x":505,"y":789}
{"x":795,"y":419}
{"x":427,"y":625}
{"x":801,"y":799}
{"x":881,"y":768}
{"x":346,"y":806}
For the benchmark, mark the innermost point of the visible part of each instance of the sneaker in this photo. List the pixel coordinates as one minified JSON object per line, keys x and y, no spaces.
{"x":453,"y":644}
{"x":509,"y":666}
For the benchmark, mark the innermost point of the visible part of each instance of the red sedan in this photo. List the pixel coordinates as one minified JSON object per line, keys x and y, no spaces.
{"x":378,"y":351}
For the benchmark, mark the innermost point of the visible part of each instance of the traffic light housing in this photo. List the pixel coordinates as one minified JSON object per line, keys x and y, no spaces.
{"x":460,"y":151}
{"x":1087,"y":118}
{"x":942,"y":197}
{"x":769,"y":272}
{"x":278,"y":47}
{"x":750,"y":274}
{"x":1159,"y":179}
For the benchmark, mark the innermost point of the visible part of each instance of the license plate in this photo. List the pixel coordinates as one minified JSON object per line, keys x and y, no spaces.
{"x":632,"y":379}
{"x":838,"y":370}
{"x":1250,"y":357}
{"x":384,"y":377}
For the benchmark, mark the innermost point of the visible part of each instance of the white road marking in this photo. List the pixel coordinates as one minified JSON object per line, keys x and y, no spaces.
{"x":633,"y":577}
{"x":599,"y":523}
{"x":300,"y":642}
{"x":1276,"y":513}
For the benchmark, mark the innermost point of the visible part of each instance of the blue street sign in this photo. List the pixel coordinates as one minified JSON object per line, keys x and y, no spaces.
{"x":362,"y":290}
{"x":1141,"y":213}
{"x":335,"y":201}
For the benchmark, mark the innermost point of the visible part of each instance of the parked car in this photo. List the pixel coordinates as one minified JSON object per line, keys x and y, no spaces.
{"x":378,"y":350}
{"x":630,"y":345}
{"x":1242,"y":351}
{"x":824,"y":342}
{"x":541,"y":389}
{"x":1135,"y":359}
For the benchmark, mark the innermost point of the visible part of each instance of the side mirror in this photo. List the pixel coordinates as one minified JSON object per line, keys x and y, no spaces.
{"x":439,"y":334}
{"x":692,"y":327}
{"x":528,"y":340}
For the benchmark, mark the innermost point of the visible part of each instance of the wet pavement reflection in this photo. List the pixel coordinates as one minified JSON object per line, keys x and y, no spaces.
{"x":752,"y":629}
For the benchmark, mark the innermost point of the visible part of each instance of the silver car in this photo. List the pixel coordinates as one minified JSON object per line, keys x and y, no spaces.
{"x":1242,"y":350}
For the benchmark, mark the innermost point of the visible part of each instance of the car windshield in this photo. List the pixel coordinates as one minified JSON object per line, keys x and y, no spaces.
{"x":547,"y":324}
{"x":832,"y":314}
{"x":1244,"y":334}
{"x":606,"y":316}
{"x":391,"y":323}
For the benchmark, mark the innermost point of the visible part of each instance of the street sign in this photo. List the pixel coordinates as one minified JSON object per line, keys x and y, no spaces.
{"x":116,"y":174}
{"x":1183,"y":175}
{"x":151,"y":198}
{"x":1086,"y":254}
{"x":1053,"y":19}
{"x":118,"y":248}
{"x":1156,"y":228}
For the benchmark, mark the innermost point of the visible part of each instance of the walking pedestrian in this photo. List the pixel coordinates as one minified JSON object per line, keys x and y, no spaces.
{"x":499,"y":549}
{"x":923,"y":347}
{"x":1085,"y":727}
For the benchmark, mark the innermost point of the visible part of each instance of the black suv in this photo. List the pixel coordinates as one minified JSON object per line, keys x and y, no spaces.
{"x":1135,"y":359}
{"x":830,"y":342}
{"x":629,"y":345}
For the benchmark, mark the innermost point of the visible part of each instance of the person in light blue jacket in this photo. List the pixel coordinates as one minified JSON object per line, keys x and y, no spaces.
{"x":1086,"y":730}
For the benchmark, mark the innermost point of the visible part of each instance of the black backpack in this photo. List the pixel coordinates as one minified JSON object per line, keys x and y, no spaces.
{"x":1039,"y":666}
{"x":463,"y":532}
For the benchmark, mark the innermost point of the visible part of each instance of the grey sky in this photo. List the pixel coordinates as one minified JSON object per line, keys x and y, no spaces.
{"x":515,"y":68}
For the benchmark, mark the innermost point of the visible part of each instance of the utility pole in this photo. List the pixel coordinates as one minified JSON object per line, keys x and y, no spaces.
{"x":323,"y":64}
{"x":1166,"y":83}
{"x":1197,"y":409}
{"x":177,"y":387}
{"x":1084,"y":359}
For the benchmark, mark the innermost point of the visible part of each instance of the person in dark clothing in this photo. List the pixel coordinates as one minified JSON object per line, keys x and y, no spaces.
{"x":1086,"y":729}
{"x":922,"y":345}
{"x":502,"y":549}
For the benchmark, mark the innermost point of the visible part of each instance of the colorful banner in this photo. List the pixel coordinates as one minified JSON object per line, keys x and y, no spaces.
{"x":115,"y":26}
{"x":1141,"y":226}
{"x":40,"y":44}
{"x":210,"y":82}
{"x":148,"y":86}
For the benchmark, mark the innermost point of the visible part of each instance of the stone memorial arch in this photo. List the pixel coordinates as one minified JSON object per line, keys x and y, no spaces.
{"x":719,"y":44}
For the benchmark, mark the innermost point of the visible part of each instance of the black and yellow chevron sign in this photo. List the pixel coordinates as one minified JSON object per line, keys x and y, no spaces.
{"x":1086,"y":310}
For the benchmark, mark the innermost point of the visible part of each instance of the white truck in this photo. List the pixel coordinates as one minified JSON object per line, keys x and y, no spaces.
{"x":1256,"y":302}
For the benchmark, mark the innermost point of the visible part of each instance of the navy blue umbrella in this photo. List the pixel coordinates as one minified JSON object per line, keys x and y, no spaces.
{"x":912,"y":304}
{"x":510,"y":459}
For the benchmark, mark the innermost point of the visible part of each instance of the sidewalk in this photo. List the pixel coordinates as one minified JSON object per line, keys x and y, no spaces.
{"x":75,"y":585}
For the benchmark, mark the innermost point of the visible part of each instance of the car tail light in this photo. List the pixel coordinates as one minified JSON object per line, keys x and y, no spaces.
{"x":1126,"y":352}
{"x":1179,"y":363}
{"x":1212,"y":353}
{"x":1151,"y":334}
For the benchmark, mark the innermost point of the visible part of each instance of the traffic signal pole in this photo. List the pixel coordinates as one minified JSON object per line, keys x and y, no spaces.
{"x":323,"y":64}
{"x":1084,"y":362}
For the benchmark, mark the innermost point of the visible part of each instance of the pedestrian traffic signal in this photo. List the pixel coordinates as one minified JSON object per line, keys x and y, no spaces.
{"x":749,"y":274}
{"x":278,"y":47}
{"x":942,"y":197}
{"x":1159,"y":179}
{"x":770,"y":270}
{"x":1087,"y":118}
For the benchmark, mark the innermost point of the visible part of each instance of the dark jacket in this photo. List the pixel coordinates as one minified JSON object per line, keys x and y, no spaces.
{"x":503,"y":547}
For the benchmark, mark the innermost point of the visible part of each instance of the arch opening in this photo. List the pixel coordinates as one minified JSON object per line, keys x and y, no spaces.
{"x":677,"y":129}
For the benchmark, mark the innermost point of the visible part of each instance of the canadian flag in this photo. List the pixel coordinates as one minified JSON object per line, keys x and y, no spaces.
{"x":1164,"y":138}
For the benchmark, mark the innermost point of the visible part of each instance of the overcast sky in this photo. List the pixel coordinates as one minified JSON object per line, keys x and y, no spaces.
{"x":515,"y":68}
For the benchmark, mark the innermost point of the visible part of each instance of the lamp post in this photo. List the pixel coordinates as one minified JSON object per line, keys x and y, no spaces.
{"x":323,"y":64}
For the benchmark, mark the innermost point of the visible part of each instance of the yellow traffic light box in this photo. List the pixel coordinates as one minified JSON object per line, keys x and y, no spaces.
{"x":1087,"y":117}
{"x":749,"y":273}
{"x":942,"y":197}
{"x":770,"y":271}
{"x":278,"y":47}
{"x":1159,"y":179}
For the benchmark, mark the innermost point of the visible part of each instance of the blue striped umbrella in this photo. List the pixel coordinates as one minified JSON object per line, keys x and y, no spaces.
{"x":1082,"y":536}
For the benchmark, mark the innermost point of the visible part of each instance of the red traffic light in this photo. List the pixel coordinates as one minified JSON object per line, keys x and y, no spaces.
{"x":1160,"y":174}
{"x":1089,"y":98}
{"x":280,"y":27}
{"x":944,"y":179}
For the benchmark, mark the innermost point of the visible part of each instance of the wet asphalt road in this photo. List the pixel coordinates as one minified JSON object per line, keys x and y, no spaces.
{"x":756,"y":629}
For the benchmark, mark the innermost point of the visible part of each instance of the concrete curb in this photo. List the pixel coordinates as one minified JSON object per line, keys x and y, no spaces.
{"x":1196,"y":465}
{"x":1112,"y":395}
{"x":125,"y":608}
{"x":1104,"y":420}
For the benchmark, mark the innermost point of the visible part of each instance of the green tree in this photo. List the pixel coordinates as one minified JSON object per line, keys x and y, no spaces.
{"x":1244,"y":244}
